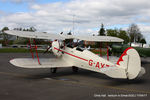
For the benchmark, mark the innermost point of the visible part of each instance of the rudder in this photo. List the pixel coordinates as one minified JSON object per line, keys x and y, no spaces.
{"x":130,"y":60}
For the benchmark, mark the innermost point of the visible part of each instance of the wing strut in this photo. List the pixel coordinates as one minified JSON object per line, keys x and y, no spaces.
{"x":36,"y":51}
{"x":31,"y":49}
{"x":100,"y":49}
{"x":107,"y":51}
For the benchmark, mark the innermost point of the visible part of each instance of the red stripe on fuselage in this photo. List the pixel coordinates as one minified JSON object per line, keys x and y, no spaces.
{"x":71,"y":54}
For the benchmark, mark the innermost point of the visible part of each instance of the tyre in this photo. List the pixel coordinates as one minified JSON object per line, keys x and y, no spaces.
{"x":75,"y":69}
{"x":53,"y":70}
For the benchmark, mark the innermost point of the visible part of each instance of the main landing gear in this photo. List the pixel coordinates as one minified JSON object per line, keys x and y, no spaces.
{"x":75,"y":69}
{"x":53,"y":70}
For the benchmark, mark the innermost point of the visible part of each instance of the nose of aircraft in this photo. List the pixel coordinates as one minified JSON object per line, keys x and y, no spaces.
{"x":56,"y":48}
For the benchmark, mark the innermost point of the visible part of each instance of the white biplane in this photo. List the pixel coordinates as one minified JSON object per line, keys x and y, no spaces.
{"x":128,"y":65}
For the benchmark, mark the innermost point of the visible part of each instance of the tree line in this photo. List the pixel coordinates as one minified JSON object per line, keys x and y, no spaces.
{"x":132,"y":34}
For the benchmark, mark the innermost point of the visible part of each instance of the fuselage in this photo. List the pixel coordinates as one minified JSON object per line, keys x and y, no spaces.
{"x":81,"y":58}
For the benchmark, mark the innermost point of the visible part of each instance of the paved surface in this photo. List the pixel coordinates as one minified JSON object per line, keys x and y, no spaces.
{"x":38,"y":84}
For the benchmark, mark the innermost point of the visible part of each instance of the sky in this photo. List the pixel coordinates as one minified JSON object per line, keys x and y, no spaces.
{"x":79,"y":16}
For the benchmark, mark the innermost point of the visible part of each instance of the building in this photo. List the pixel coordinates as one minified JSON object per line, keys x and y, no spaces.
{"x":10,"y":37}
{"x":89,"y":43}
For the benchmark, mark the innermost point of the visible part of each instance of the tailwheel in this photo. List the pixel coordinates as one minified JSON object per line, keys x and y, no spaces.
{"x":75,"y":69}
{"x":53,"y":70}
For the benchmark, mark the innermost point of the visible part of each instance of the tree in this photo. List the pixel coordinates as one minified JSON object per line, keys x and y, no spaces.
{"x":101,"y":32}
{"x":118,"y":33}
{"x":143,"y":41}
{"x":112,"y":32}
{"x":5,"y":29}
{"x":139,"y":37}
{"x":123,"y":35}
{"x":5,"y":36}
{"x":134,"y":33}
{"x":31,"y":29}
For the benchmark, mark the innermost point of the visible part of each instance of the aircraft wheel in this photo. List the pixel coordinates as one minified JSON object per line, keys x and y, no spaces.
{"x":75,"y":69}
{"x":53,"y":70}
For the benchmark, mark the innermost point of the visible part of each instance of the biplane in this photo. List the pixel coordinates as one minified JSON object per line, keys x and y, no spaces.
{"x":128,"y":65}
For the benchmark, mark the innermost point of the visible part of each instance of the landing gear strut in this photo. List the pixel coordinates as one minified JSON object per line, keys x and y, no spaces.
{"x":53,"y":70}
{"x":75,"y":69}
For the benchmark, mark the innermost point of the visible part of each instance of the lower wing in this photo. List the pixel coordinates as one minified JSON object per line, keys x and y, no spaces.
{"x":45,"y":63}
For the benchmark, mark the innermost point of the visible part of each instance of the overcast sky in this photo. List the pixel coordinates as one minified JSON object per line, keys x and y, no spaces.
{"x":55,"y":16}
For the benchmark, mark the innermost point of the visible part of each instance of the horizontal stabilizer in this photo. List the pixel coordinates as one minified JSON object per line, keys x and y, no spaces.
{"x":116,"y":72}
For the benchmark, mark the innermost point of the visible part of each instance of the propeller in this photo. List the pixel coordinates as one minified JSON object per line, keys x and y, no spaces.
{"x":47,"y":50}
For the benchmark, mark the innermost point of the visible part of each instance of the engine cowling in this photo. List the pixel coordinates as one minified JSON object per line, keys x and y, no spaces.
{"x":56,"y":46}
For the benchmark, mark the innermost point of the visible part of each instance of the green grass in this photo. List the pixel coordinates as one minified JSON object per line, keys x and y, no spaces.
{"x":143,"y":52}
{"x":17,"y":50}
{"x":98,"y":52}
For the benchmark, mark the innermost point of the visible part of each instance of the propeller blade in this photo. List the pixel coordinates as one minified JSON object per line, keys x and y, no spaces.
{"x":47,"y":50}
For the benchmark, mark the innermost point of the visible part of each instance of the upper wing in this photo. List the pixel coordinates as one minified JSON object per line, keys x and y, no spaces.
{"x":36,"y":35}
{"x":100,"y":38}
{"x":41,"y":35}
{"x":45,"y":63}
{"x":94,"y":38}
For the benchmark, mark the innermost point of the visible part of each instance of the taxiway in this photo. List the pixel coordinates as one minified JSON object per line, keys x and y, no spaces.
{"x":39,"y":84}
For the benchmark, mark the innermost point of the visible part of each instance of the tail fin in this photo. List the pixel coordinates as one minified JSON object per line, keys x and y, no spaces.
{"x":131,"y":62}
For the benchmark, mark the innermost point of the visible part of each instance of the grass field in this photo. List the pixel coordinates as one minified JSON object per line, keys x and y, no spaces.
{"x":144,"y":52}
